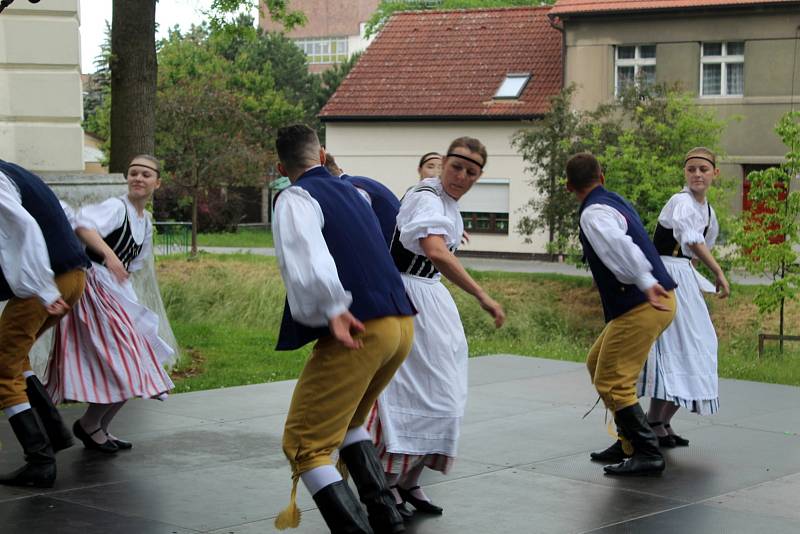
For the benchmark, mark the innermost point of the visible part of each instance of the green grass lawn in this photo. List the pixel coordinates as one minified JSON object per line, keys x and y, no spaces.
{"x":225,"y":311}
{"x":244,"y":237}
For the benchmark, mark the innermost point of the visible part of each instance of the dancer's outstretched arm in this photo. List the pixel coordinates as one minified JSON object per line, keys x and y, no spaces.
{"x":436,"y":250}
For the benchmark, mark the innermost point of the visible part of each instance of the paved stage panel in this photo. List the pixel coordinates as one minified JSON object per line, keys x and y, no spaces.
{"x":211,"y":462}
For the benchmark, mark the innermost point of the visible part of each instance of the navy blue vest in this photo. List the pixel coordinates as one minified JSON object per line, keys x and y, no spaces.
{"x":384,"y":203}
{"x":65,"y":251}
{"x":619,"y":298}
{"x":361,"y":256}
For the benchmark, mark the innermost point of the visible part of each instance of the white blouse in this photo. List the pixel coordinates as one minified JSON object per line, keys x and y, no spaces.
{"x":688,"y":218}
{"x":23,"y":252}
{"x":109,"y":215}
{"x":606,"y":228}
{"x":427,"y":210}
{"x":313,"y":288}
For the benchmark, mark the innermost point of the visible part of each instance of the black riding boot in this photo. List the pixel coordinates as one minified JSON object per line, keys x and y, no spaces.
{"x":40,"y":462}
{"x":646,"y":459}
{"x":362,"y":462}
{"x":340,"y":509}
{"x":58,"y":434}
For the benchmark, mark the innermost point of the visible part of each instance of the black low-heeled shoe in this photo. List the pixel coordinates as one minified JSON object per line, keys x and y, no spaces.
{"x":665,"y":442}
{"x":402,"y":509}
{"x":86,"y":437}
{"x":679,"y":441}
{"x":422,"y":506}
{"x":120,"y":443}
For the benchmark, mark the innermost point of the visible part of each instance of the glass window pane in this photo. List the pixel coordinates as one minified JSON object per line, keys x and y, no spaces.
{"x":626,"y":52}
{"x":647,"y":74}
{"x":647,"y":51}
{"x":501,"y":223}
{"x":735,"y":49}
{"x":468,"y":222}
{"x":712,"y":49}
{"x":712,"y":79}
{"x":735,"y":78}
{"x":625,"y":77}
{"x":512,"y":86}
{"x":483,"y":221}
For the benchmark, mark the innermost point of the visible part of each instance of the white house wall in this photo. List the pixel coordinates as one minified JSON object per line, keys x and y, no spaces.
{"x":40,"y":90}
{"x":390,"y":152}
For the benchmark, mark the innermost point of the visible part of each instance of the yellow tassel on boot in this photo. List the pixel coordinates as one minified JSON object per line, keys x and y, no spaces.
{"x":342,"y":468}
{"x":290,"y":516}
{"x":627,"y":446}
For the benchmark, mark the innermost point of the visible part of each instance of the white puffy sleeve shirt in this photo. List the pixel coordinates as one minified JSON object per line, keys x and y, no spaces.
{"x":109,"y":215}
{"x":23,"y":252}
{"x":423,"y":213}
{"x":606,"y":228}
{"x":688,"y":219}
{"x":313,"y":288}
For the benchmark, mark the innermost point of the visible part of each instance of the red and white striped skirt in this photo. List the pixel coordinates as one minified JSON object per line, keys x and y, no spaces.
{"x":400,"y":464}
{"x":107,"y":348}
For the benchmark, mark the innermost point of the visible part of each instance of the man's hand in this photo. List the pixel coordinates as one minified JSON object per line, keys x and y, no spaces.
{"x":654,"y":295}
{"x":495,"y":310}
{"x":58,"y":307}
{"x":343,"y":326}
{"x":464,"y":238}
{"x":116,"y":267}
{"x":723,"y":288}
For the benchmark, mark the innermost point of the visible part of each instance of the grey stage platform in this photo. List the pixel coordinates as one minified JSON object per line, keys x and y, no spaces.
{"x":211,"y":462}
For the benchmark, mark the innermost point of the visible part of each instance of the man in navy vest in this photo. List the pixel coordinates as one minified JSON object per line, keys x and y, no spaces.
{"x":638,"y":304}
{"x":384,"y":203}
{"x":345,"y":294}
{"x":42,"y":274}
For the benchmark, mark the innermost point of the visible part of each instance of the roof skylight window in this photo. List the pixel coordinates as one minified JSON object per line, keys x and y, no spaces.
{"x":513,"y":85}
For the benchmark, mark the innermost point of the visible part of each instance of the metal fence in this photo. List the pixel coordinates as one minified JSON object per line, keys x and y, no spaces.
{"x":172,"y":237}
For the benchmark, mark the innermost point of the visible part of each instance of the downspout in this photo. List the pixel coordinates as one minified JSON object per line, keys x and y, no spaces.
{"x":560,"y":28}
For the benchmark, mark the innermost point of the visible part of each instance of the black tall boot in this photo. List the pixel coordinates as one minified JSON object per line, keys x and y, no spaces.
{"x":58,"y":434}
{"x":646,"y":459}
{"x":362,"y":462}
{"x":40,"y":462}
{"x":340,"y":509}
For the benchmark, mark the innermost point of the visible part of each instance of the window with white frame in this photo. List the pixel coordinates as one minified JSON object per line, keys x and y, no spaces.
{"x":634,"y":64}
{"x":324,"y":50}
{"x":485,"y":207}
{"x":722,"y":69}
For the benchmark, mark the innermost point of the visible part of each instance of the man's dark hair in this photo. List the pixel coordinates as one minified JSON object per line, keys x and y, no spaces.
{"x":583,"y":170}
{"x":298,"y":147}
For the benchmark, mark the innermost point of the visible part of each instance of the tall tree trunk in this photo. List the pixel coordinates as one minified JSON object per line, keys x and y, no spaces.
{"x":133,"y":81}
{"x":783,"y":302}
{"x":195,"y":202}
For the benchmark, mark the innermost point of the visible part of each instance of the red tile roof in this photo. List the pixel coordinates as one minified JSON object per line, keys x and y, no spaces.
{"x":449,"y":65}
{"x":593,"y":7}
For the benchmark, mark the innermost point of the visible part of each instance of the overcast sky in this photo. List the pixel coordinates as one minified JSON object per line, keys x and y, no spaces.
{"x":94,"y":13}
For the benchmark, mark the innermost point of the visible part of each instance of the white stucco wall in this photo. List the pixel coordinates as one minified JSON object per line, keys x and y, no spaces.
{"x":40,"y":89}
{"x":390,"y":151}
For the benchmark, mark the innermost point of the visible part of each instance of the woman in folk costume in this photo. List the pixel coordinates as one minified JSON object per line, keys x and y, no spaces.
{"x":681,"y":370}
{"x":430,"y":165}
{"x":417,"y":419}
{"x":108,"y":350}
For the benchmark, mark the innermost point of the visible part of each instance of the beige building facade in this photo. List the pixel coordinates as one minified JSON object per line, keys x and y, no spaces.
{"x":390,"y":151}
{"x":40,"y":88}
{"x":334,"y":30}
{"x":742,"y":63}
